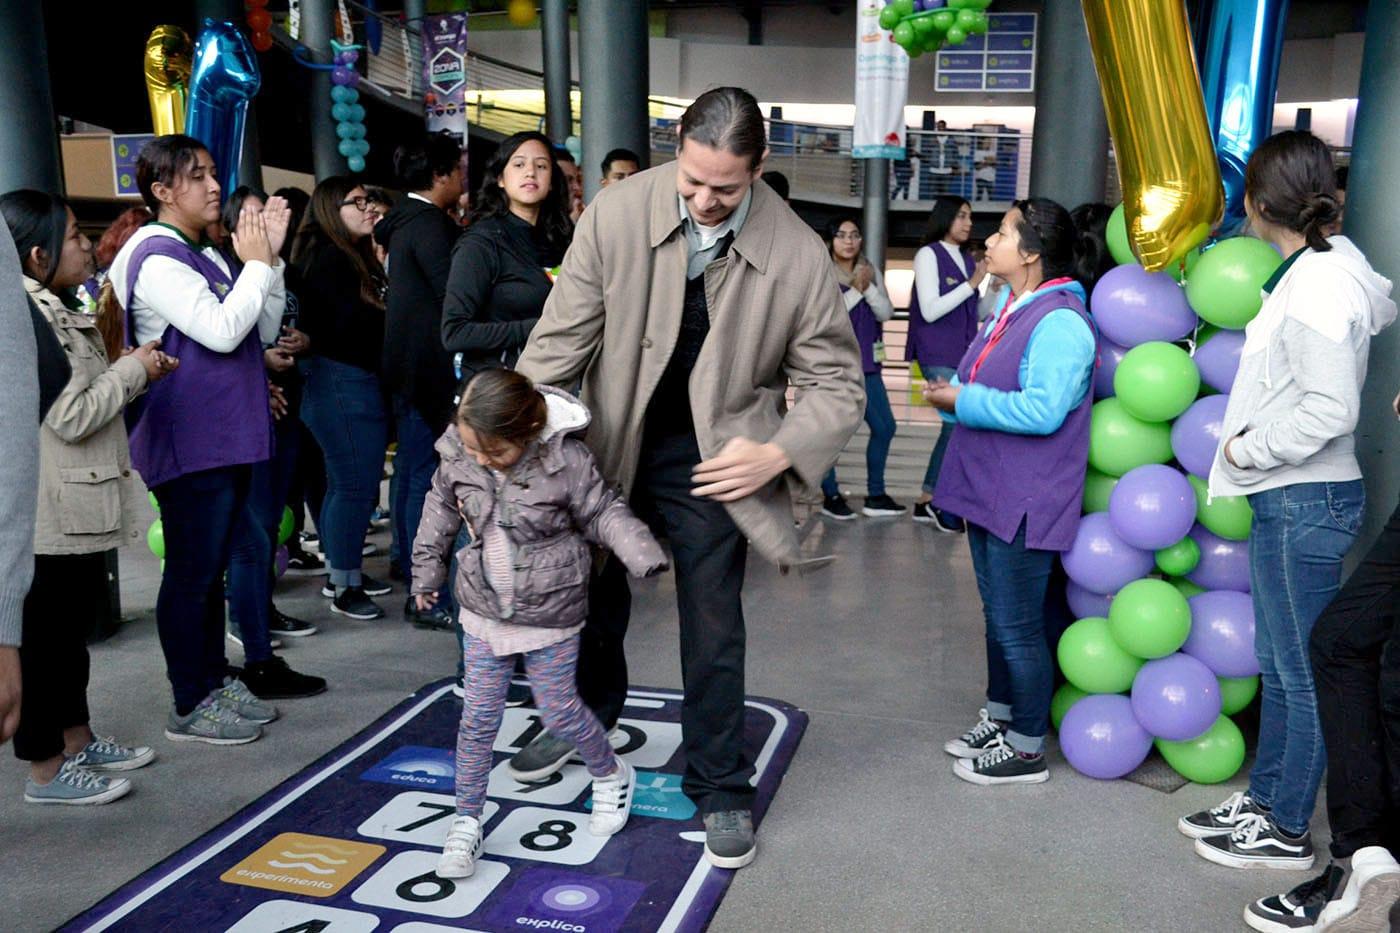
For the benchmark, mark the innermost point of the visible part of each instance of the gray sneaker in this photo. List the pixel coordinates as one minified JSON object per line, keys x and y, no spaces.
{"x":236,"y":696}
{"x":541,"y":758}
{"x":729,"y":838}
{"x":213,"y":723}
{"x":75,"y":785}
{"x":104,"y":754}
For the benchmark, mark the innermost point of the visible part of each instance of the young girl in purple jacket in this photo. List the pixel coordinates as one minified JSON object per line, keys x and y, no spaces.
{"x":514,"y":469}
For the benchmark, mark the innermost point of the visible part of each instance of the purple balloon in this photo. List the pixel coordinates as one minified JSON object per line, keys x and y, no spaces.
{"x":1084,"y":603}
{"x":1218,"y":359}
{"x":342,"y":76}
{"x":1176,"y":698}
{"x":1152,"y":507}
{"x":1196,"y":434}
{"x":1224,"y":564}
{"x":1102,"y":738}
{"x":1110,"y":355}
{"x":1222,"y":633}
{"x":1133,"y":306}
{"x":1101,"y":561}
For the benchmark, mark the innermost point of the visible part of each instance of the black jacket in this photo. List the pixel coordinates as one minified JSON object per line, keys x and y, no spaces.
{"x":341,"y":324}
{"x":418,"y":237}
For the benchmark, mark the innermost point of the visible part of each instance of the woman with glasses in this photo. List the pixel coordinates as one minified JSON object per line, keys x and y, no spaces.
{"x":863,"y":291}
{"x":342,"y":312}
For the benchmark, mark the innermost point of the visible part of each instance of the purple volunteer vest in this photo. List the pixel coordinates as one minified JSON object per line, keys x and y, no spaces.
{"x":868,"y":333}
{"x":211,"y":411}
{"x":996,"y":479}
{"x":943,"y":342}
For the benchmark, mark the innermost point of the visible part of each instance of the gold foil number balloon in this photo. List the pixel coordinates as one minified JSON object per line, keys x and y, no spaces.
{"x":168,"y":56}
{"x":1171,"y":184}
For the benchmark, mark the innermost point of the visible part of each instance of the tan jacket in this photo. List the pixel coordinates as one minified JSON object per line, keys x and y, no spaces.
{"x":87,"y":491}
{"x":776,"y":318}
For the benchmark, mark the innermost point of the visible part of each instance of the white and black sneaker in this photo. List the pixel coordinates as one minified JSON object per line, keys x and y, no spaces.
{"x":1369,"y":898}
{"x":356,"y":604}
{"x":974,"y":742}
{"x":1219,"y":820}
{"x":836,"y":507}
{"x":1256,"y":842}
{"x":1002,"y":764}
{"x":370,"y":585}
{"x":881,"y":507}
{"x":1296,"y":910}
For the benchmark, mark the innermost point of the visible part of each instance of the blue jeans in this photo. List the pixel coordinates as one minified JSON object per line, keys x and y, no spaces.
{"x":1300,"y":535}
{"x":877,"y":450}
{"x":414,"y":464}
{"x":945,"y":429}
{"x":1012,"y":580}
{"x":344,"y":409}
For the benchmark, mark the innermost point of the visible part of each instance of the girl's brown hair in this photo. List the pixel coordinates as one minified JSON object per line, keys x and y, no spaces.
{"x":1292,"y":182}
{"x":503,"y":404}
{"x":322,"y":225}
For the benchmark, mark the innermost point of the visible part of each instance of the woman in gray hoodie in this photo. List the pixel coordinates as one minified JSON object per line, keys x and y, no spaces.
{"x":1287,"y":445}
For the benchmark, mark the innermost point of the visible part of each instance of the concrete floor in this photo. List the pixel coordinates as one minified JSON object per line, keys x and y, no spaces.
{"x":870,"y":831}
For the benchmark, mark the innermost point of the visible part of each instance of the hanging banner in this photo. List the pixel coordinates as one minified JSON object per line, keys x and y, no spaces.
{"x":445,"y":74}
{"x":882,"y":87}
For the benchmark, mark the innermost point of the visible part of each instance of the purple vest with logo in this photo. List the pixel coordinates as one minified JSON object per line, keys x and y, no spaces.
{"x":943,"y":342}
{"x":868,"y":333}
{"x":999,"y":480}
{"x":212,"y":410}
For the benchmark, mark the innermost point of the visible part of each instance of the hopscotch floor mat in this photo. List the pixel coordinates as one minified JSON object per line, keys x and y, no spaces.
{"x":350,"y":844}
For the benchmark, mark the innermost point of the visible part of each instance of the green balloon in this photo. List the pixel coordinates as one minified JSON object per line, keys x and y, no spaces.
{"x":1227,"y":516}
{"x":943,"y":20}
{"x":1119,"y":442}
{"x":1064,"y":698}
{"x":956,"y":35}
{"x":1224,"y":287}
{"x":980,"y":27}
{"x":155,"y":503}
{"x":1179,"y":559}
{"x":1210,"y":758}
{"x":1097,"y":488}
{"x":1181,"y":270}
{"x":1185,"y":587}
{"x":1236,"y":693}
{"x":155,"y":539}
{"x":904,"y":36}
{"x":1156,"y":381}
{"x":1149,"y":619}
{"x":1093,"y":661}
{"x":287,"y":527}
{"x":904,"y":7}
{"x":1117,"y":235}
{"x":889,"y":17}
{"x":923,"y":25}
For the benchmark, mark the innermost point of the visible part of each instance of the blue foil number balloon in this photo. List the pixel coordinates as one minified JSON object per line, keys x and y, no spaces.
{"x":223,"y":79}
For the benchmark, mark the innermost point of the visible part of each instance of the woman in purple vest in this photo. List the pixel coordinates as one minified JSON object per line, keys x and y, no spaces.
{"x":201,"y":429}
{"x":942,"y":322}
{"x":1015,"y":472}
{"x":869,"y":305}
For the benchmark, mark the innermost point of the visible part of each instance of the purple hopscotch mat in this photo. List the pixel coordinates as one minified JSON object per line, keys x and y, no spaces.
{"x":349,"y":844}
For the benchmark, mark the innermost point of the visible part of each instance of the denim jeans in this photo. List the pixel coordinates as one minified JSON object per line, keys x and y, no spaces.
{"x":414,"y":464}
{"x":1300,"y":535}
{"x":945,"y":429}
{"x":877,"y":450}
{"x":1012,"y":580}
{"x":344,"y":409}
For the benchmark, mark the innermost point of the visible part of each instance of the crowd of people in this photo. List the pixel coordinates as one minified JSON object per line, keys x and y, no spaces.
{"x":561,"y":382}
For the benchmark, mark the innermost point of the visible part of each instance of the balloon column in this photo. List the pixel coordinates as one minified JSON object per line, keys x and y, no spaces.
{"x":349,"y":113}
{"x":168,"y":78}
{"x":920,"y":26}
{"x":259,"y":22}
{"x":1159,"y":570}
{"x":225,"y":78}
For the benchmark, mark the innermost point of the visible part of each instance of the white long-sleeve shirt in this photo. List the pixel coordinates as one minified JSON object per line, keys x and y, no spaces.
{"x":171,"y":293}
{"x":933,"y":302}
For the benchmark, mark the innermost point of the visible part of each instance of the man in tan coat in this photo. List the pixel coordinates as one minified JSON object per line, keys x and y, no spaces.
{"x":690,"y":300}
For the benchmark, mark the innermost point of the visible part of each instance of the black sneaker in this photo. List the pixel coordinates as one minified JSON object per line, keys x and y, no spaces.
{"x":235,"y":636}
{"x":923,"y":513}
{"x":1219,"y":820}
{"x":541,"y":758}
{"x":881,"y":507}
{"x":729,"y":838}
{"x":948,"y":522}
{"x":371,"y":586}
{"x":282,"y":624}
{"x":836,"y":507}
{"x":1296,"y":910}
{"x":975,"y":741}
{"x":356,"y":604}
{"x":436,"y":618}
{"x":518,"y":694}
{"x":309,"y":540}
{"x":1256,"y":842}
{"x":302,"y":564}
{"x":274,"y":680}
{"x":1002,"y":764}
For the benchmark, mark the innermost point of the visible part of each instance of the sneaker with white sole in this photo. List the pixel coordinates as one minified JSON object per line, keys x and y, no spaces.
{"x":1365,"y":901}
{"x":1297,"y":910}
{"x":729,"y":838}
{"x":462,"y":849}
{"x":882,"y":507}
{"x":237,"y":638}
{"x":612,"y":800}
{"x":1002,"y":764}
{"x":545,"y":755}
{"x":1257,"y":842}
{"x":212,"y":723}
{"x":104,"y":753}
{"x":368,"y":584}
{"x":1219,"y":820}
{"x":75,"y":785}
{"x":837,"y":508}
{"x":236,"y":696}
{"x":974,"y":742}
{"x":354,"y":603}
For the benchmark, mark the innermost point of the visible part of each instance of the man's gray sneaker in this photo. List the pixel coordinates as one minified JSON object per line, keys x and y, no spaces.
{"x":236,"y":696}
{"x":729,"y":838}
{"x":213,"y":723}
{"x":541,"y":758}
{"x":104,"y":754}
{"x":75,"y":785}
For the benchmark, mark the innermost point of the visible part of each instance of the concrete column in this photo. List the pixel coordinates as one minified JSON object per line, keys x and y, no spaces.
{"x":875,"y":223}
{"x":1373,"y":224}
{"x":317,"y":28}
{"x":29,"y":154}
{"x":614,"y":74}
{"x":558,"y":111}
{"x":1069,"y":152}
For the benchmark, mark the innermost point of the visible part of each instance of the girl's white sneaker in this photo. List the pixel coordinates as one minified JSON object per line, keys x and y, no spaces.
{"x":612,"y":800}
{"x":462,"y":850}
